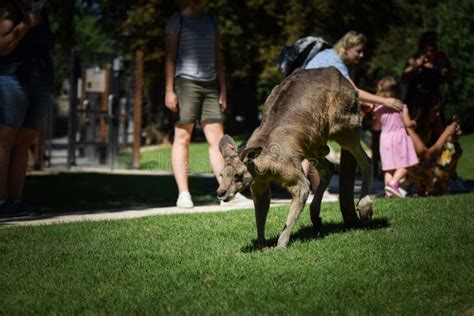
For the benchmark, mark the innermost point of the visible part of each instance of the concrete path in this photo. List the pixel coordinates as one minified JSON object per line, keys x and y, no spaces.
{"x":47,"y":219}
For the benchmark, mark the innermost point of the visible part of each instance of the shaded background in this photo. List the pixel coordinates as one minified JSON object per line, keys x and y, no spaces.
{"x":253,"y":34}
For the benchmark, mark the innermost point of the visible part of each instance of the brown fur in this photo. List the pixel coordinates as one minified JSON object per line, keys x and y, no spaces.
{"x":301,"y":114}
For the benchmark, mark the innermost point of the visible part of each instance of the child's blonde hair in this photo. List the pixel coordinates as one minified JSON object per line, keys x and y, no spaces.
{"x":388,"y":87}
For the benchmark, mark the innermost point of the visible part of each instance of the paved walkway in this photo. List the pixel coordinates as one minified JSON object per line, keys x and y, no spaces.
{"x":47,"y":219}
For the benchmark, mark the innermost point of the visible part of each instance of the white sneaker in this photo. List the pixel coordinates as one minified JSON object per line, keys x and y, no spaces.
{"x":184,"y":200}
{"x":402,"y":191}
{"x":238,"y":200}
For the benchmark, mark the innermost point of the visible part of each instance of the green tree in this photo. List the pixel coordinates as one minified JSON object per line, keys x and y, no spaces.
{"x":254,"y":31}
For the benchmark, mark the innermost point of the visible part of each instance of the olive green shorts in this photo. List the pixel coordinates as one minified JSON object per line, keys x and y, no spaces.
{"x":197,"y":100}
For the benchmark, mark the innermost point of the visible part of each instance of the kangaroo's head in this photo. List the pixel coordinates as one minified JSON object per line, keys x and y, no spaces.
{"x":235,"y":175}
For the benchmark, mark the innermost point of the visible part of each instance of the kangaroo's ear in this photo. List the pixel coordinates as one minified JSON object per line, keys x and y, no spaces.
{"x":227,"y":147}
{"x":249,"y":154}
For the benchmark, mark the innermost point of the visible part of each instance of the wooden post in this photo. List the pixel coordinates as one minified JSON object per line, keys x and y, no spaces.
{"x":137,"y":109}
{"x":104,"y":106}
{"x":39,"y":148}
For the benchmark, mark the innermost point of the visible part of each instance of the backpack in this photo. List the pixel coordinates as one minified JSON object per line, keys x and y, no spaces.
{"x":300,"y":53}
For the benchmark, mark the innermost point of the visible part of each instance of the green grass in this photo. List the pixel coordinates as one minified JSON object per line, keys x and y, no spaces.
{"x":160,"y":159}
{"x":465,"y":166}
{"x":416,"y":259}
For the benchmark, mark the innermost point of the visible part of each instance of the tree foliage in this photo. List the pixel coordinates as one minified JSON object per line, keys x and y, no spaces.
{"x":254,"y":31}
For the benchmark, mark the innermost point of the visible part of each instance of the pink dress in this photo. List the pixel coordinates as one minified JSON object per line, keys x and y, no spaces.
{"x":396,"y":146}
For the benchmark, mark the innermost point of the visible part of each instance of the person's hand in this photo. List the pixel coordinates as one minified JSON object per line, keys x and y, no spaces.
{"x":223,"y":100}
{"x":411,"y":124}
{"x":394,"y":104}
{"x":6,"y":25}
{"x":418,"y":62}
{"x":444,"y":72}
{"x":453,"y":131}
{"x":171,"y":101}
{"x":33,"y":19}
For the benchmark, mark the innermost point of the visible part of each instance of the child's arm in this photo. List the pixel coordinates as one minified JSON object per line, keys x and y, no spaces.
{"x":409,"y":123}
{"x":376,"y":123}
{"x":420,"y":147}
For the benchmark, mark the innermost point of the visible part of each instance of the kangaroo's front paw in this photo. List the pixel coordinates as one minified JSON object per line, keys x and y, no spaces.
{"x":283,"y":241}
{"x":281,"y":247}
{"x":364,"y":207}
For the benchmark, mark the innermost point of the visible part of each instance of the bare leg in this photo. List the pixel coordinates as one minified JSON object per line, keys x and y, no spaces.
{"x":261,"y":198}
{"x":7,"y":139}
{"x":214,"y":132}
{"x":399,"y":174}
{"x":180,"y":155}
{"x":388,"y":176}
{"x":19,"y":162}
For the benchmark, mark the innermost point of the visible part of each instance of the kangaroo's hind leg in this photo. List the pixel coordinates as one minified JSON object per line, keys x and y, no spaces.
{"x":299,"y":190}
{"x":325,"y":170}
{"x":364,"y":206}
{"x":347,"y":172}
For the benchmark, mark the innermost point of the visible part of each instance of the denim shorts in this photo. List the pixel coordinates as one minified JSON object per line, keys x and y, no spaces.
{"x":197,"y":100}
{"x":25,"y":93}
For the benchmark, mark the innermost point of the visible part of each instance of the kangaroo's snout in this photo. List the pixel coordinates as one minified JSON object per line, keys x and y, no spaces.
{"x":221,"y":194}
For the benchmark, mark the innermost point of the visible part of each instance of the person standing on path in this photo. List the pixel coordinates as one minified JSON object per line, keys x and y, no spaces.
{"x":195,"y":89}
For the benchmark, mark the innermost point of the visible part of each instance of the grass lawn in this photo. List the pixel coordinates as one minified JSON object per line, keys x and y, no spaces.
{"x":465,"y":166}
{"x":160,"y":159}
{"x":416,"y":259}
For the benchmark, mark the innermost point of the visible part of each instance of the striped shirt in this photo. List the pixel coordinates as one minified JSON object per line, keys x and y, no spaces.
{"x":196,"y":37}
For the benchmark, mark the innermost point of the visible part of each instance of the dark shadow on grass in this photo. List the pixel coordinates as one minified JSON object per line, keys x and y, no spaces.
{"x":308,"y":233}
{"x":469,"y":184}
{"x":88,"y":193}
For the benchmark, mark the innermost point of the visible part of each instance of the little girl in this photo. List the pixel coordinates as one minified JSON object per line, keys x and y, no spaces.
{"x":397,"y":151}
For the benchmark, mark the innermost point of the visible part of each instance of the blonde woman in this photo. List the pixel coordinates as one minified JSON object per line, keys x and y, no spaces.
{"x":349,"y":50}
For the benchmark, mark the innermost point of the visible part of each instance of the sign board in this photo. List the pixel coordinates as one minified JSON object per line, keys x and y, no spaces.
{"x":95,"y":80}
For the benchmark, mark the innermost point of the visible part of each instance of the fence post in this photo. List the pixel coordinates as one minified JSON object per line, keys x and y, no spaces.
{"x":137,"y":109}
{"x":72,"y":126}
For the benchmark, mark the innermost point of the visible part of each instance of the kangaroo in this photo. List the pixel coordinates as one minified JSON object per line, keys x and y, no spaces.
{"x":301,"y":114}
